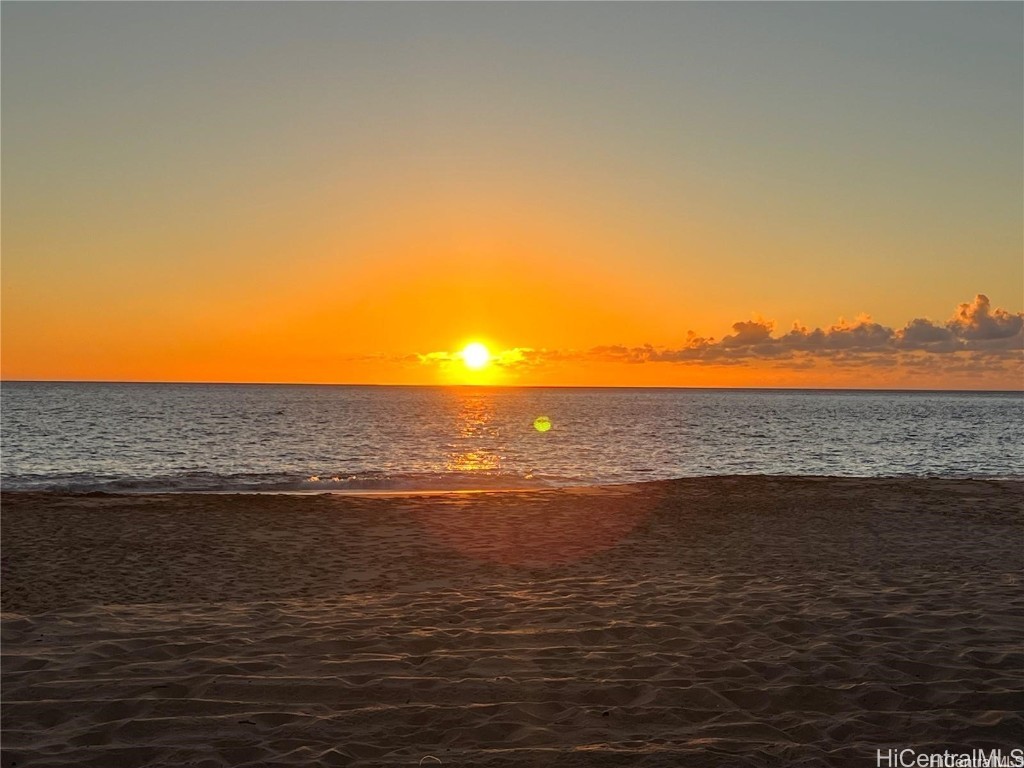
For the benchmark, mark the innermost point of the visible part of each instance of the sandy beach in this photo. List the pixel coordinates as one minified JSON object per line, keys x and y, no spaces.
{"x":706,"y":622}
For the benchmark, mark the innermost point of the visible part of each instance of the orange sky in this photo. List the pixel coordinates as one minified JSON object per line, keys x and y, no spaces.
{"x":372,"y":184}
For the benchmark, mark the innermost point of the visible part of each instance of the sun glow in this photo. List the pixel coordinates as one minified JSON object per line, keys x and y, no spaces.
{"x":475,"y":356}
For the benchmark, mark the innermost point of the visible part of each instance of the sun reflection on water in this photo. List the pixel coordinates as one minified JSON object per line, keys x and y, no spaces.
{"x":472,"y":461}
{"x":477,"y":445}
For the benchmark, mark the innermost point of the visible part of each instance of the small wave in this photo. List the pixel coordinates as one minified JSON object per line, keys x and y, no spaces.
{"x":208,"y":482}
{"x":427,"y":481}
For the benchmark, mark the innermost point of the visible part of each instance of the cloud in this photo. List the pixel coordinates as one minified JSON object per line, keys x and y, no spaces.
{"x":925,"y":335}
{"x":861,"y":335}
{"x":748,"y":334}
{"x":973,"y":327}
{"x":976,"y":335}
{"x":977,"y":322}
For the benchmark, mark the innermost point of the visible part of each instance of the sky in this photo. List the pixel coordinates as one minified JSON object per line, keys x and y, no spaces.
{"x":621,"y":194}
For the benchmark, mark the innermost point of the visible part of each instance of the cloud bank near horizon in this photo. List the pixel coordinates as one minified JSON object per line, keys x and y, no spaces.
{"x":976,"y":336}
{"x":974,"y":327}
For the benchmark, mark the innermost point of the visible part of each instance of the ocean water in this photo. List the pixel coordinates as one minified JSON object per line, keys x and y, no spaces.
{"x":221,"y":437}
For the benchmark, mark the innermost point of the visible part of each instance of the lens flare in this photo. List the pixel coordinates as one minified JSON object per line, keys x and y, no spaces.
{"x":542,"y":423}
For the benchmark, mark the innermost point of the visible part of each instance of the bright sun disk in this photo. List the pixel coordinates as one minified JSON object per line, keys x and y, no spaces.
{"x":476,"y":356}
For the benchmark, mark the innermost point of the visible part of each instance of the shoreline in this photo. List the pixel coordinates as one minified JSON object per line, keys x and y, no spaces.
{"x":637,"y":485}
{"x":730,"y":621}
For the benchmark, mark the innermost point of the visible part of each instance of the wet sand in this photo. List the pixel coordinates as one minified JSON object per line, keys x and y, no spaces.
{"x":704,"y":622}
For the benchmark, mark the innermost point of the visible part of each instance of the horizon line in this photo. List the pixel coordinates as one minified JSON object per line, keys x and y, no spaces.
{"x":505,"y":386}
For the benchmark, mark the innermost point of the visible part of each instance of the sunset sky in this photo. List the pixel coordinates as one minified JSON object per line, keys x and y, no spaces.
{"x":678,"y":194}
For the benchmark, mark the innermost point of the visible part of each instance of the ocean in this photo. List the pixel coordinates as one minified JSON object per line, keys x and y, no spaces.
{"x":227,"y":437}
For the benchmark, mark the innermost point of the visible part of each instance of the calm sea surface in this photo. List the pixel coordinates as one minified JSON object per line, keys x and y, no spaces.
{"x":142,"y":437}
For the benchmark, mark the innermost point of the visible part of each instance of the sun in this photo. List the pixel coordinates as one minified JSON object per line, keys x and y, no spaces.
{"x":475,"y":356}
